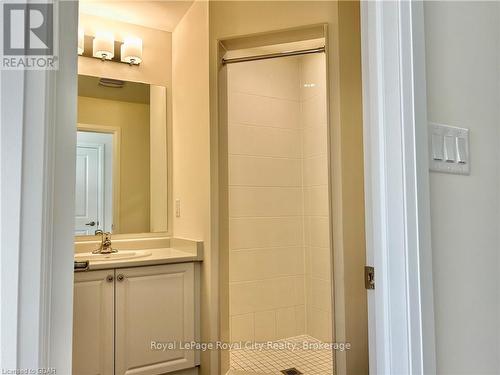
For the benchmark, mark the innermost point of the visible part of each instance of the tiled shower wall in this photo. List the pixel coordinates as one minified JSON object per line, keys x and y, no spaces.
{"x":278,"y":205}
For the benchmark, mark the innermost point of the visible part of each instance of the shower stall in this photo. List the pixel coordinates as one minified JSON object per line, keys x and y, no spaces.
{"x":280,"y":273}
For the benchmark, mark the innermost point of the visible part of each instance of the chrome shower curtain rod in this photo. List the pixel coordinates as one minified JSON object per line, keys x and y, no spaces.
{"x":273,"y":55}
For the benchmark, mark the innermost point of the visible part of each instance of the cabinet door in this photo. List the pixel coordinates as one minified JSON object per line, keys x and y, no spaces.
{"x":93,"y":323}
{"x":154,"y":304}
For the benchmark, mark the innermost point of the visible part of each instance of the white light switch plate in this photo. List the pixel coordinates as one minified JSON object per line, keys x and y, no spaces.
{"x":449,"y":149}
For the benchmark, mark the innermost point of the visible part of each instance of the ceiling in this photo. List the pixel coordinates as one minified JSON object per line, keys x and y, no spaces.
{"x":162,"y":15}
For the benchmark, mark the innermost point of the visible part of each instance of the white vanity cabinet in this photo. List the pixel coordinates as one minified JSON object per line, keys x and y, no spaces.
{"x":151,"y":304}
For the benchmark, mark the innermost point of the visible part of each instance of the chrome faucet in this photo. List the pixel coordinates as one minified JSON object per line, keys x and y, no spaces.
{"x":105,"y":247}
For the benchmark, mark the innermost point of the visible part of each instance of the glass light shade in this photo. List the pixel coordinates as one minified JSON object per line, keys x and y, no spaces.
{"x":104,"y":45}
{"x":81,"y":41}
{"x":131,"y":51}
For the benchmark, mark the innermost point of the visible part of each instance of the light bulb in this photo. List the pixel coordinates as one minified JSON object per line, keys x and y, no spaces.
{"x":131,"y":51}
{"x":104,"y":45}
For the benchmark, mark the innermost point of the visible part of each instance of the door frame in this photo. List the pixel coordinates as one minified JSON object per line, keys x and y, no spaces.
{"x":38,"y":140}
{"x":39,"y":194}
{"x":402,"y":340}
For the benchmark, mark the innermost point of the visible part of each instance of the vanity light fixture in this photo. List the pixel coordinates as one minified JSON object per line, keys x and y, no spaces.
{"x":81,"y":41}
{"x":131,"y":51}
{"x":104,"y":45}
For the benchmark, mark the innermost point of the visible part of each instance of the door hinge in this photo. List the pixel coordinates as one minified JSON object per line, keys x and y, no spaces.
{"x":369,"y":277}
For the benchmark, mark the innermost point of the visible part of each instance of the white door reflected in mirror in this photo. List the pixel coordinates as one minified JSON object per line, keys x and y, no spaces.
{"x":94,"y":183}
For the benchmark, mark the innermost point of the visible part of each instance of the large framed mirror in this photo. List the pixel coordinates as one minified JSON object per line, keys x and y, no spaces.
{"x":121,"y":183}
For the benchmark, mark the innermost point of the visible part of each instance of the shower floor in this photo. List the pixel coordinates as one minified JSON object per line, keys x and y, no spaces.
{"x":271,"y":361}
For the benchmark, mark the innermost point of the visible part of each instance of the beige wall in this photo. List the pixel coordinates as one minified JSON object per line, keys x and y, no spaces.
{"x":133,"y":121}
{"x":236,"y":18}
{"x":191,"y":158}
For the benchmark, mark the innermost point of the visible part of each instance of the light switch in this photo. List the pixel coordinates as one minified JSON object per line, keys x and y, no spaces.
{"x":437,"y":147}
{"x":461,"y":151}
{"x":449,"y":149}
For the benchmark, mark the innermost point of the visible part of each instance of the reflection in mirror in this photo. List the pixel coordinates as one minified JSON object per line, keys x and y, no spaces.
{"x":94,"y":182}
{"x":120,"y":153}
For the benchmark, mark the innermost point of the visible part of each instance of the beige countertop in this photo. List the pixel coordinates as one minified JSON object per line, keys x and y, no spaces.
{"x":175,"y":251}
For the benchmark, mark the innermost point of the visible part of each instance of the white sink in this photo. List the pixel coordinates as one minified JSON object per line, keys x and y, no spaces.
{"x":126,"y":254}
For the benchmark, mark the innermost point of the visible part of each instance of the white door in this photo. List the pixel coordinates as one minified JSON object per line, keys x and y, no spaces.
{"x":88,"y":193}
{"x":154,"y":304}
{"x":93,"y":328}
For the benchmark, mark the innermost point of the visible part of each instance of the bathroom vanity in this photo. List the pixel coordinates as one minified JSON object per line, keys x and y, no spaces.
{"x":136,"y":289}
{"x":129,"y":308}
